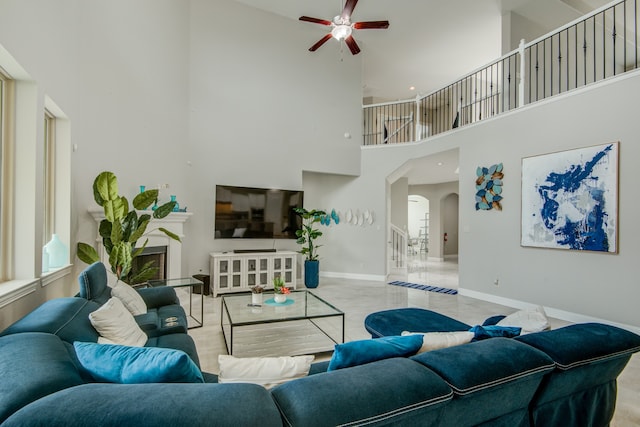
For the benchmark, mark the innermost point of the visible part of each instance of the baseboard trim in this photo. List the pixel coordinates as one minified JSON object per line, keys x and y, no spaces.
{"x":355,"y":276}
{"x":552,"y":312}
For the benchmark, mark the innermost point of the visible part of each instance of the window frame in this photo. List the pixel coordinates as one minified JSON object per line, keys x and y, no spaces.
{"x":49,"y":177}
{"x":7,"y":97}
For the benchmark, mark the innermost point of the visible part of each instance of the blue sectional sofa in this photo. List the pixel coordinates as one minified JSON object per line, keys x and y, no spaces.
{"x":545,"y":379}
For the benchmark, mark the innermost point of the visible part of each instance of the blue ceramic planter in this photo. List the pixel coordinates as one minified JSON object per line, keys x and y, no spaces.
{"x":311,"y":273}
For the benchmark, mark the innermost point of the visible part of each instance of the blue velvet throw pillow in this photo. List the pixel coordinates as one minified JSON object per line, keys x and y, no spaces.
{"x":136,"y":365}
{"x":484,"y":332}
{"x":365,"y":351}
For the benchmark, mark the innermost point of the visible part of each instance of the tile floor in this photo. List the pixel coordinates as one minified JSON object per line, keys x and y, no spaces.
{"x":357,"y":298}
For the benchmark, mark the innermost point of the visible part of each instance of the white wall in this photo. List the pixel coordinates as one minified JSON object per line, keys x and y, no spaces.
{"x":186,"y":93}
{"x":262,"y":110}
{"x":591,"y":284}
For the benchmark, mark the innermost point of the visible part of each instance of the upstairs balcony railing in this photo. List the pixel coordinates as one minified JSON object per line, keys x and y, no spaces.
{"x":595,"y":47}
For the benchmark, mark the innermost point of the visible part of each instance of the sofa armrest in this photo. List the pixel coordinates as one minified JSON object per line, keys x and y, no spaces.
{"x":174,"y":404}
{"x":159,"y":296}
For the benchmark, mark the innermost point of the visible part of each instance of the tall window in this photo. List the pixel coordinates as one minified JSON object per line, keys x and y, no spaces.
{"x":5,"y":170}
{"x":49,"y":174}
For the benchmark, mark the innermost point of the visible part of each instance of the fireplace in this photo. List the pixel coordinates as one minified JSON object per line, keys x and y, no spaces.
{"x":172,"y":249}
{"x":157,"y":254}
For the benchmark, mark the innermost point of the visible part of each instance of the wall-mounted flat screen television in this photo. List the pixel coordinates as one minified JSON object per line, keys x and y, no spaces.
{"x":256,"y":213}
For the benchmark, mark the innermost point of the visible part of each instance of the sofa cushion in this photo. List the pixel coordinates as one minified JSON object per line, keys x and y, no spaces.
{"x":265,"y":371}
{"x":437,"y":340}
{"x":582,"y":389}
{"x":498,"y":360}
{"x":67,"y":318}
{"x":359,"y":352}
{"x":93,"y":283}
{"x":135,"y":365}
{"x":584,"y":343}
{"x":33,"y":365}
{"x":388,"y":392}
{"x":178,"y":342}
{"x":114,"y":322}
{"x":159,"y":296}
{"x":129,"y":298}
{"x":485,"y":372}
{"x":393,"y":322}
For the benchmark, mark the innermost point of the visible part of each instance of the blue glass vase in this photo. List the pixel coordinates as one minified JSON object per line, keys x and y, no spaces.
{"x":176,"y":208}
{"x":58,"y":252}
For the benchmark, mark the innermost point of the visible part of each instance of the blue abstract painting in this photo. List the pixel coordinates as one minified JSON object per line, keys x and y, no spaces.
{"x":570,"y":199}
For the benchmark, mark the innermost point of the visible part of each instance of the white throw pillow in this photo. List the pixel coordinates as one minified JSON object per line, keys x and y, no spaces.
{"x":130,"y":298}
{"x":114,"y":322}
{"x":265,"y":371}
{"x":436,"y":340}
{"x":530,"y":320}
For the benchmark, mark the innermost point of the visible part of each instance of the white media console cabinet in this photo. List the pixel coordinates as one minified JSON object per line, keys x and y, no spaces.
{"x":238,"y":272}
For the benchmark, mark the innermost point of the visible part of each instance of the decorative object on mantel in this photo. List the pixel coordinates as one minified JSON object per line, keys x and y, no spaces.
{"x":280,"y":290}
{"x":176,"y":208}
{"x":489,"y":187}
{"x":122,"y":228}
{"x":306,"y":237}
{"x":570,"y":199}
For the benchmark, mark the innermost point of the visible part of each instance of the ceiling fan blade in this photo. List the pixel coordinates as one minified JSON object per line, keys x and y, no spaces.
{"x":348,"y":9}
{"x":371,"y":25}
{"x":320,"y":43}
{"x":315,"y":20}
{"x":353,"y":46}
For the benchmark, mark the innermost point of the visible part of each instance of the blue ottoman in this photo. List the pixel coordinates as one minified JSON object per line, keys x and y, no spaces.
{"x":393,"y":322}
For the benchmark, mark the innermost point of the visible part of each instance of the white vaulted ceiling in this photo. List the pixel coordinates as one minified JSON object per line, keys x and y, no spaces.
{"x":429,"y":43}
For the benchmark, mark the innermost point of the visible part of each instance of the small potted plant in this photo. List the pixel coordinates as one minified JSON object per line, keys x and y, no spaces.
{"x":280,"y":290}
{"x":256,"y":295}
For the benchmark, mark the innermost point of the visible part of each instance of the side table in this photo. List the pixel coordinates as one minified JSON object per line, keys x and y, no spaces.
{"x":189,"y":282}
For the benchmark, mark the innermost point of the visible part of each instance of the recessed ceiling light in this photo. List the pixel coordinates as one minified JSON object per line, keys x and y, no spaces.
{"x":440,"y":163}
{"x":412,"y":88}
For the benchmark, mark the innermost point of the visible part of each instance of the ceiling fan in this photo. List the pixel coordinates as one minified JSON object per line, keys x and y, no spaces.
{"x":342,"y":27}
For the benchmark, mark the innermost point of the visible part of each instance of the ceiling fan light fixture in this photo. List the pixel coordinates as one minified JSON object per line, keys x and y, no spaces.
{"x":341,"y":32}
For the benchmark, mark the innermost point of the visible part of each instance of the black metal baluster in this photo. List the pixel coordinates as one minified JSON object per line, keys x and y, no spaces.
{"x":613,"y":36}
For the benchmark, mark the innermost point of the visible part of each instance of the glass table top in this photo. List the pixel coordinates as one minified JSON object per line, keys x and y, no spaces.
{"x":306,"y":305}
{"x":175,"y":283}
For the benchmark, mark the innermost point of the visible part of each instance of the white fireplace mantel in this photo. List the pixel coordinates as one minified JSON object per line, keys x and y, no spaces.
{"x":174,"y":222}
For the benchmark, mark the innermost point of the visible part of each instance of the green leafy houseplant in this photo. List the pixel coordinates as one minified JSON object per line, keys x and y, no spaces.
{"x":308,"y":233}
{"x":122,"y":228}
{"x":279,"y":287}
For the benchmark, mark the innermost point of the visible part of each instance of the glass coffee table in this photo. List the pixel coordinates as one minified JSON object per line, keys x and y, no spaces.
{"x":304,"y":324}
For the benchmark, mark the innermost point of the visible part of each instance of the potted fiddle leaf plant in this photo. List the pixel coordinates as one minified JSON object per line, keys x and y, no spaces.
{"x":307,"y":236}
{"x":122,"y":228}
